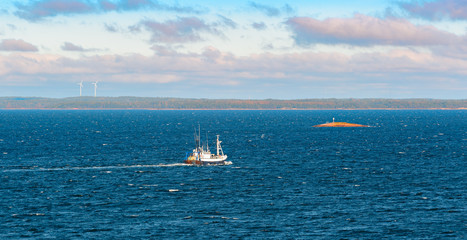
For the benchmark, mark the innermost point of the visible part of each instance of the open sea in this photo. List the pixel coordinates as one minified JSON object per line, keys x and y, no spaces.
{"x":117,"y":174}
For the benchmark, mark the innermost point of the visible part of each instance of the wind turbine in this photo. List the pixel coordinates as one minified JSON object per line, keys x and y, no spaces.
{"x":80,"y":88}
{"x":95,"y":88}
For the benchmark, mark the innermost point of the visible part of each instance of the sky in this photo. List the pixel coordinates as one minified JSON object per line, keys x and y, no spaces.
{"x":234,"y":49}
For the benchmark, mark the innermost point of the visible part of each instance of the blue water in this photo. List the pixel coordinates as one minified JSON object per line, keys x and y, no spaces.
{"x":117,"y":174}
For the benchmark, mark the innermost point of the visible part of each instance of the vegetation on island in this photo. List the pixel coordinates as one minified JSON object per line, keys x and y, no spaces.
{"x":185,"y":103}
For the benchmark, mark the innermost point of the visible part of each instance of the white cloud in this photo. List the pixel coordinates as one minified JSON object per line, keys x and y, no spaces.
{"x":67,"y":46}
{"x":226,"y":66}
{"x":17,"y":45}
{"x":437,"y":9}
{"x":367,"y":31}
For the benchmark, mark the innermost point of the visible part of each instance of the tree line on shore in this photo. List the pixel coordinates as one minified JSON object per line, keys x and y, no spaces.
{"x":186,"y":103}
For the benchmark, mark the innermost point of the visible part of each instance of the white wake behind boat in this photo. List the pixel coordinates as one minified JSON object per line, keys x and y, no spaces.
{"x":203,"y":156}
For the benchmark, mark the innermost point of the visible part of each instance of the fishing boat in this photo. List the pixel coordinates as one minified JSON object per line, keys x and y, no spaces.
{"x":203,"y":156}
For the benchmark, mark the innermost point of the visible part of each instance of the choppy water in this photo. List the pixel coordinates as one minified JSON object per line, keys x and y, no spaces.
{"x":119,"y":174}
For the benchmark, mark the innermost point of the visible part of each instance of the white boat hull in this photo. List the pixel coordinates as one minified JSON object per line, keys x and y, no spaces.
{"x":214,"y":160}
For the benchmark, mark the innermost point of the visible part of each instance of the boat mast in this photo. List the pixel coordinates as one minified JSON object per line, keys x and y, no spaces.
{"x":218,"y":146}
{"x":207,"y":142}
{"x":196,"y":140}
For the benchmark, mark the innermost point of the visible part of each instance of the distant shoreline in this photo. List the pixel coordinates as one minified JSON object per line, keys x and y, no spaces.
{"x":230,"y":109}
{"x":158,"y":103}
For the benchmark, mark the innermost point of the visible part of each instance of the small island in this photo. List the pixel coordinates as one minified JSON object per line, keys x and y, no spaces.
{"x":340,"y":124}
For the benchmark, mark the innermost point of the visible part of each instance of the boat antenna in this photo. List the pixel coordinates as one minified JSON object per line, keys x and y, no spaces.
{"x":199,"y":135}
{"x":207,"y":141}
{"x":196,"y":138}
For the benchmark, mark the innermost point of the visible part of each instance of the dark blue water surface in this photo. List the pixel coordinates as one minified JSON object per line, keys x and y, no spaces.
{"x":116,"y":174}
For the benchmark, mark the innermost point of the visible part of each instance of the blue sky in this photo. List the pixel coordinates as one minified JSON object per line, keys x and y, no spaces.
{"x":234,"y":49}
